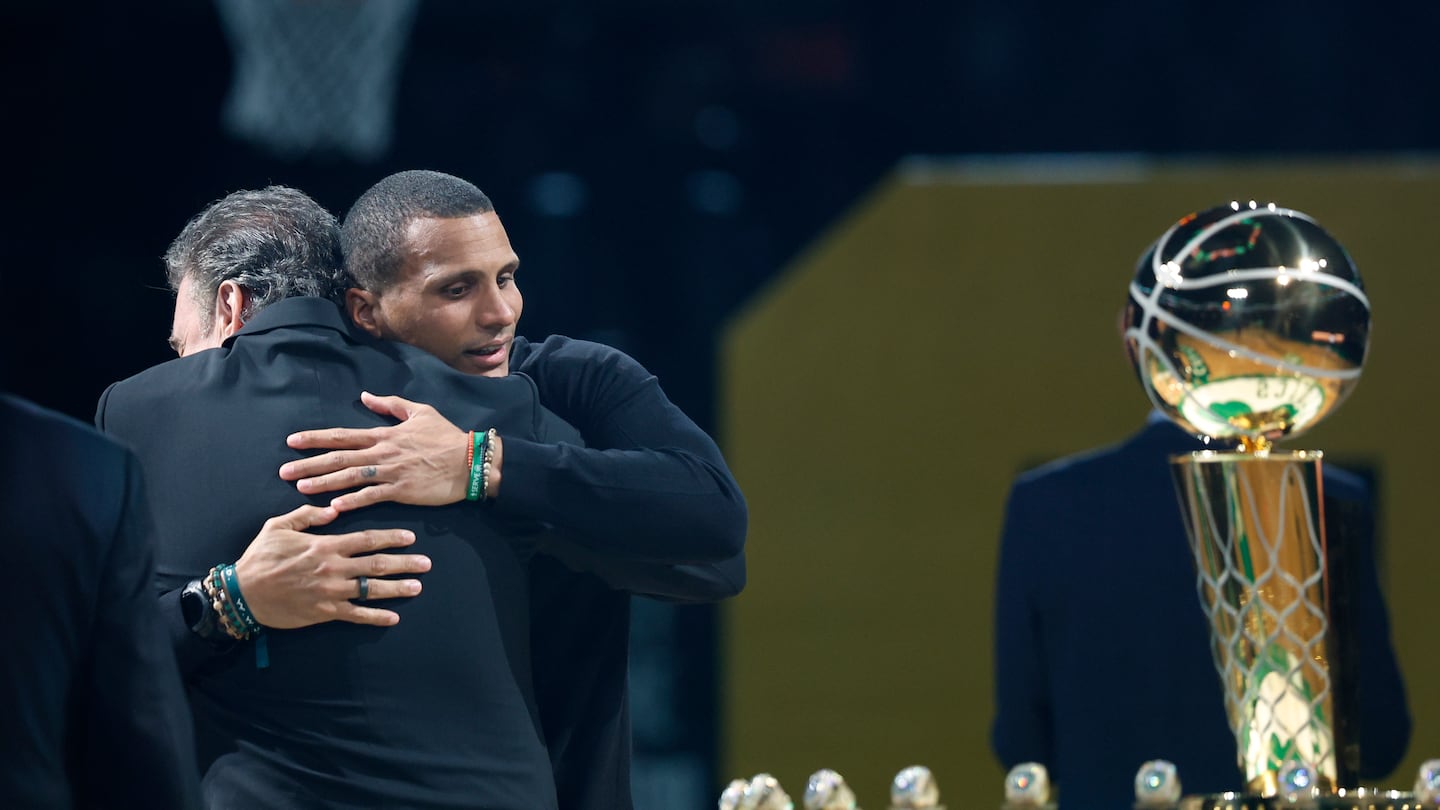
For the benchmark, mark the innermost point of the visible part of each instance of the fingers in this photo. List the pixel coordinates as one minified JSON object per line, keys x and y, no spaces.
{"x":397,"y":407}
{"x":380,"y":565}
{"x":356,"y":614}
{"x":354,"y":543}
{"x":334,"y":439}
{"x":340,"y":475}
{"x":383,"y":589}
{"x":323,"y":464}
{"x":351,"y":501}
{"x":304,"y":517}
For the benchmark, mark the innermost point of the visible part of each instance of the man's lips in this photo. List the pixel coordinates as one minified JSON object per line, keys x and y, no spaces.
{"x":492,"y":354}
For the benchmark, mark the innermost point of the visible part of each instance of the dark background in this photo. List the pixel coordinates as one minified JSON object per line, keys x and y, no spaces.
{"x":654,"y":162}
{"x":710,"y":141}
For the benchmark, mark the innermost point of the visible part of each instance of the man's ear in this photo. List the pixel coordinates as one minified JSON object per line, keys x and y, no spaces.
{"x":231,"y":300}
{"x":363,"y":307}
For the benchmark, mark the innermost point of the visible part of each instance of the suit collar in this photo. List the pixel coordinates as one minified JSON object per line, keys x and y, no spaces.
{"x":304,"y":311}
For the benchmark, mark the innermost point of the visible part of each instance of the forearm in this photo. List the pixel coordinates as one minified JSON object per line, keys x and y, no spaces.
{"x":665,"y":506}
{"x":686,"y":583}
{"x":700,"y":582}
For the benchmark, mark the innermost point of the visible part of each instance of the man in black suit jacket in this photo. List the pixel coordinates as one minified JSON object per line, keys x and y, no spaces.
{"x":91,"y":706}
{"x":434,"y":712}
{"x":433,"y":267}
{"x":1103,"y":658}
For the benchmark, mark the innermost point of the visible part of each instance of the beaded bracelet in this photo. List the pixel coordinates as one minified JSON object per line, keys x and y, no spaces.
{"x":488,"y":456}
{"x":229,"y":619}
{"x":223,"y":589}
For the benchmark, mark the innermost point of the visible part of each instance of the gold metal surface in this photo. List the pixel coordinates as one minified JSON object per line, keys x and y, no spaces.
{"x":1256,"y":526}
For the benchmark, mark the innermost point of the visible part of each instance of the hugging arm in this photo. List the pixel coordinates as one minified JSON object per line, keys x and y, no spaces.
{"x":652,"y":487}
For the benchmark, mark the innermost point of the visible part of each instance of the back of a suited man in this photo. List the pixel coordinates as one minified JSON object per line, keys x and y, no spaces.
{"x":91,"y":709}
{"x":1099,"y":634}
{"x":435,"y":711}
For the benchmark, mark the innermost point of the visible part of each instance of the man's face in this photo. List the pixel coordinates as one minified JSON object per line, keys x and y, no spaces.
{"x":186,"y":329}
{"x":455,"y":295}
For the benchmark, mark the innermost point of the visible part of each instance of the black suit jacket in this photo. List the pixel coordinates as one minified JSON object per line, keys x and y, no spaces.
{"x":1103,"y":656}
{"x":581,"y":599}
{"x":91,"y":708}
{"x":434,"y":712}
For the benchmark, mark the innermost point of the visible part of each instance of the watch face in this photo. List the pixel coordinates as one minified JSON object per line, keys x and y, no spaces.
{"x":192,"y":604}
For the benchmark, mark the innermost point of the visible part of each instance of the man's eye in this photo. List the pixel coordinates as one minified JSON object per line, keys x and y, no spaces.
{"x":505,"y":279}
{"x":455,"y":292}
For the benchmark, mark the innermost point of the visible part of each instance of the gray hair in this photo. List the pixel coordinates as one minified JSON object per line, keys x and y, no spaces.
{"x":277,"y":243}
{"x":373,"y":236}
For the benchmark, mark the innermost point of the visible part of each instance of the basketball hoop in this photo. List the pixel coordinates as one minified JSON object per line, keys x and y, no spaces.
{"x":316,"y":76}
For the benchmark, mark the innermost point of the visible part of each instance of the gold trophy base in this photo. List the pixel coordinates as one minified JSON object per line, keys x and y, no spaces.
{"x":1342,"y":799}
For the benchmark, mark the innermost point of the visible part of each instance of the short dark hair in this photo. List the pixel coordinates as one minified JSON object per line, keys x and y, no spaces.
{"x":372,"y":239}
{"x":277,"y":243}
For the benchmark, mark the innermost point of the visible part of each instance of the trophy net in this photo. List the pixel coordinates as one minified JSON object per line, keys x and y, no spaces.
{"x":1255,"y":525}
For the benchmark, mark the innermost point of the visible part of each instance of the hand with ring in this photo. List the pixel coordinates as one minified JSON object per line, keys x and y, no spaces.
{"x":419,"y":461}
{"x":292,"y":578}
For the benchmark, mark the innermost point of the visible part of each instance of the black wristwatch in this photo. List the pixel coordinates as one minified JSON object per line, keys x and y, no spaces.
{"x":199,"y":614}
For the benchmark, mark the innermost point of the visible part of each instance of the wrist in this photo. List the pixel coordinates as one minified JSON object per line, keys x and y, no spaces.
{"x":484,"y":475}
{"x":492,"y":481}
{"x":232,"y":612}
{"x":199,"y":614}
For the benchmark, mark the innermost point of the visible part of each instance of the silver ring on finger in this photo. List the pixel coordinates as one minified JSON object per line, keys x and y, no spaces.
{"x":364,"y":583}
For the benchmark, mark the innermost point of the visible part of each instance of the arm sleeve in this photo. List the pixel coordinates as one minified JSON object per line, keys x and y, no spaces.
{"x":190,"y":651}
{"x":137,"y":731}
{"x":699,"y":582}
{"x":1022,"y":728}
{"x":652,"y":487}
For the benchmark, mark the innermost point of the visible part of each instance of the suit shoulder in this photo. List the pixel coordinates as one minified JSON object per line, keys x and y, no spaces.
{"x":52,"y":458}
{"x":34,"y":425}
{"x":161,"y":377}
{"x":1344,"y":484}
{"x":1074,"y":466}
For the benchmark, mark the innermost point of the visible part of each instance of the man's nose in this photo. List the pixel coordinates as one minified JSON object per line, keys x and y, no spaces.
{"x":493,"y":310}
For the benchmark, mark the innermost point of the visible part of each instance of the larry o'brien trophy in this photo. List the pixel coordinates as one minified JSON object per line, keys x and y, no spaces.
{"x":1248,"y":324}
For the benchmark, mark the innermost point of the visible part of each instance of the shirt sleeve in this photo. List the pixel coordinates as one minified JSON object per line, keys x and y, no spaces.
{"x":650,"y":487}
{"x":190,"y":651}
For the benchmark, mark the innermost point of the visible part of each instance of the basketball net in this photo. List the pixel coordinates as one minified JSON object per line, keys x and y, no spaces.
{"x":1255,"y":525}
{"x":316,"y":76}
